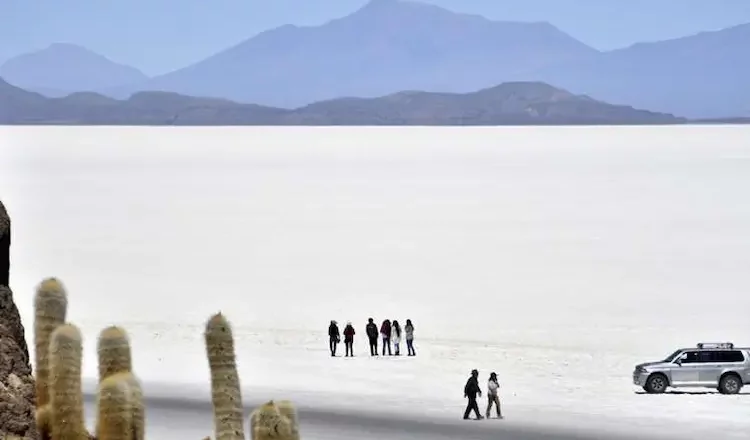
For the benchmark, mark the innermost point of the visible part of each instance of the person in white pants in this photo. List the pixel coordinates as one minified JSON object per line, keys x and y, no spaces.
{"x":492,"y":395}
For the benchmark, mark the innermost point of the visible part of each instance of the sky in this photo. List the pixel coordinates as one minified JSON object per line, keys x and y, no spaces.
{"x":158,"y":36}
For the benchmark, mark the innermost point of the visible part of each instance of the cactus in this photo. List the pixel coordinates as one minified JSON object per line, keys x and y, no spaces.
{"x":66,"y":397}
{"x":50,"y":308}
{"x":115,"y":408}
{"x":113,"y":349}
{"x":137,"y":407}
{"x":268,"y":423}
{"x":225,"y":383}
{"x":289,"y":411}
{"x":43,"y":419}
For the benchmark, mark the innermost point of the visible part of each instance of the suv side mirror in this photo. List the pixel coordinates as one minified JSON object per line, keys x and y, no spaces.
{"x":678,"y":361}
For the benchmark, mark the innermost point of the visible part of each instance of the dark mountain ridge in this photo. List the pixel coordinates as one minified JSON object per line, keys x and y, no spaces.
{"x":520,"y":103}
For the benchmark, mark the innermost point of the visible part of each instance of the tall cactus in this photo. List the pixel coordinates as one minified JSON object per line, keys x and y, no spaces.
{"x":225,"y":383}
{"x":113,"y":350}
{"x":66,"y":397}
{"x":267,"y":422}
{"x":114,"y":353}
{"x":50,"y":309}
{"x":115,"y":408}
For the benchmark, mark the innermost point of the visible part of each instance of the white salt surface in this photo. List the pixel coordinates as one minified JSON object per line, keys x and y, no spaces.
{"x":558,"y":257}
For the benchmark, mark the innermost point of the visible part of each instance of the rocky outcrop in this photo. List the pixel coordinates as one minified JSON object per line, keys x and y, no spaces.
{"x":17,"y":394}
{"x":4,"y":246}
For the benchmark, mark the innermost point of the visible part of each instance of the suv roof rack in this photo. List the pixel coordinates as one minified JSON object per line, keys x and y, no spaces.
{"x":725,"y":345}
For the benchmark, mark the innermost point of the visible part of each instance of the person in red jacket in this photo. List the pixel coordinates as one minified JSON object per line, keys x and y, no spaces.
{"x":385,"y":333}
{"x":349,"y":339}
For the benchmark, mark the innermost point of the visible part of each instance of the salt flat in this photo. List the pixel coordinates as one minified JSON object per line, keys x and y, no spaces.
{"x":558,"y":257}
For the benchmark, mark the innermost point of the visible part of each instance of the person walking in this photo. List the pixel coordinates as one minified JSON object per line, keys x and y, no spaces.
{"x":396,"y":337}
{"x":372,"y":335}
{"x":471,"y":389}
{"x":409,"y":331}
{"x":349,"y":339}
{"x":385,"y":332}
{"x":333,"y":337}
{"x":492,"y":395}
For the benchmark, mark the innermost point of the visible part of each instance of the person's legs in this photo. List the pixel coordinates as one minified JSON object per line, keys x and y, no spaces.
{"x":384,"y":346}
{"x":468,"y":409}
{"x":332,"y":346}
{"x":373,"y":346}
{"x":409,"y":347}
{"x":388,"y":342}
{"x":497,"y":407}
{"x":395,"y":347}
{"x":475,"y":407}
{"x":489,"y":405}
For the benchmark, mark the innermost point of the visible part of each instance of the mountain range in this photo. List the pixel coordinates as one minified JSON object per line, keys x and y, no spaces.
{"x":389,"y":46}
{"x":520,"y":103}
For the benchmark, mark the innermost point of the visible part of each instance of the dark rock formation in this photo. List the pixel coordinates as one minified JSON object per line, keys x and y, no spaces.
{"x":4,"y":246}
{"x":17,"y":399}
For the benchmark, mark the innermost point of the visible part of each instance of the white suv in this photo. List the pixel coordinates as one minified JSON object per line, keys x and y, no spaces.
{"x":709,"y":365}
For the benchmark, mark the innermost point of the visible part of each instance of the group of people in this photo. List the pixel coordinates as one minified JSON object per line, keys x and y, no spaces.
{"x":471,"y":389}
{"x":390,"y":333}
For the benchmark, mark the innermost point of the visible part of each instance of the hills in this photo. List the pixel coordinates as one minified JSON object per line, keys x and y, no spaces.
{"x":61,"y":69}
{"x":520,"y":103}
{"x":392,"y":45}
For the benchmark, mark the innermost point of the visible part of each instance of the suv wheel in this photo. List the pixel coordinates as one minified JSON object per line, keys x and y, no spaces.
{"x":656,"y":384}
{"x":730,"y":384}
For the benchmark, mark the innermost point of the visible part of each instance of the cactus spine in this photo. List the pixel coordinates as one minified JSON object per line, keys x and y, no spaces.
{"x":225,"y":383}
{"x":113,"y":349}
{"x":66,"y":397}
{"x":115,"y":411}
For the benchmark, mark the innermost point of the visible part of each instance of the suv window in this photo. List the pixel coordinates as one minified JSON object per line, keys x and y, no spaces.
{"x":689,"y":357}
{"x":721,"y":356}
{"x":730,"y":356}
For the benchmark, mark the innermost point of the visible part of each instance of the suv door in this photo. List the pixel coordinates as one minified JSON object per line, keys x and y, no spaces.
{"x":686,"y":370}
{"x":715,"y":362}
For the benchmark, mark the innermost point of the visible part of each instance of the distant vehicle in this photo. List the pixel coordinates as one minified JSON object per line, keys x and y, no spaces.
{"x":709,"y":365}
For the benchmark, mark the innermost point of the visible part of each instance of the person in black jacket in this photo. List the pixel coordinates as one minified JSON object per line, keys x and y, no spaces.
{"x":333,"y":337}
{"x":471,"y":389}
{"x":349,"y":339}
{"x":372,"y":334}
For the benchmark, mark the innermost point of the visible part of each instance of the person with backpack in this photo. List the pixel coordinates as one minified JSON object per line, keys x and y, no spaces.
{"x":349,"y":339}
{"x":492,"y":395}
{"x":385,"y":332}
{"x":372,"y":335}
{"x":409,"y":332}
{"x":333,"y":337}
{"x":471,"y":389}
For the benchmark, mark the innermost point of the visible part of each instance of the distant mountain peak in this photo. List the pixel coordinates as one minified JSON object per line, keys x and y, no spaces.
{"x":62,"y":68}
{"x":380,"y":48}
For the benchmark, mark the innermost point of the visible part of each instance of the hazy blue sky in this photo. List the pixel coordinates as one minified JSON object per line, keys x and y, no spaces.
{"x":161,"y":35}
